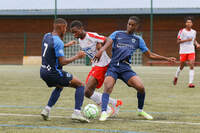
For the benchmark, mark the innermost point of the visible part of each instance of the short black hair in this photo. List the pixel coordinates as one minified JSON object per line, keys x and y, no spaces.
{"x":76,"y":23}
{"x":188,"y":18}
{"x":135,"y":18}
{"x":60,"y":21}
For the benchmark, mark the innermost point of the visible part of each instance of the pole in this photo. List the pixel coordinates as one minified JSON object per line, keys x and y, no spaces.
{"x":25,"y":42}
{"x":151,"y":27}
{"x":55,"y":14}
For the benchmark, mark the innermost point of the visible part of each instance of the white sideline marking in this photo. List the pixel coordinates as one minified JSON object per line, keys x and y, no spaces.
{"x":28,"y":115}
{"x":144,"y":121}
{"x":162,"y":122}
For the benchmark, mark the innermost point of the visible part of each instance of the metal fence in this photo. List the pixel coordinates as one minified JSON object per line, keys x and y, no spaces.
{"x":71,"y":51}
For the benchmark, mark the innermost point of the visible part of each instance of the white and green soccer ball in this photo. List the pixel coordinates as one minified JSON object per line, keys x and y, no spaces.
{"x":91,"y":111}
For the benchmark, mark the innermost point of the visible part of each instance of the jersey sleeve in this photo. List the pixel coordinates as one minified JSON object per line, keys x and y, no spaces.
{"x":113,"y":35}
{"x":96,"y":37}
{"x":59,"y":48}
{"x":142,"y":45}
{"x":180,"y":35}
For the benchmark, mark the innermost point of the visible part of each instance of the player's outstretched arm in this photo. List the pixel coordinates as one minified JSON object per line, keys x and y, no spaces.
{"x":64,"y":61}
{"x":154,"y":56}
{"x":108,"y":43}
{"x":70,"y":43}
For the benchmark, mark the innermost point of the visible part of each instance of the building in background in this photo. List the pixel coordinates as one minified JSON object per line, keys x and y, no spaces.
{"x":23,"y":24}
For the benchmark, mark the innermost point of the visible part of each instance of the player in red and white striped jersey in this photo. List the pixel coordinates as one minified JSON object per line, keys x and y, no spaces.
{"x":187,"y":41}
{"x":90,"y":42}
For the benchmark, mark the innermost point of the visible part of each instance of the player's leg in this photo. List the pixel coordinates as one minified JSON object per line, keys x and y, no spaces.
{"x":94,"y":80}
{"x":51,"y":102}
{"x":108,"y":87}
{"x":183,"y":58}
{"x":91,"y":84}
{"x":132,"y":80}
{"x":50,"y":79}
{"x":191,"y":58}
{"x":136,"y":83}
{"x":79,"y":98}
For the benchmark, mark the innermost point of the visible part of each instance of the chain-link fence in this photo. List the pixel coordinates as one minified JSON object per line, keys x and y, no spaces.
{"x":72,"y":50}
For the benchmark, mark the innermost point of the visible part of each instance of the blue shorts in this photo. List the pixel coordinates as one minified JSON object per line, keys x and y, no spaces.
{"x":121,"y":71}
{"x":55,"y":77}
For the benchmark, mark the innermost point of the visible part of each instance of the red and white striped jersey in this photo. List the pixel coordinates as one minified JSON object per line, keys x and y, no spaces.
{"x":88,"y":45}
{"x":187,"y":47}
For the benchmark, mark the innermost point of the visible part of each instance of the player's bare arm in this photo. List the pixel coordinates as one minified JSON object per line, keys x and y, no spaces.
{"x":108,"y":50}
{"x":108,"y":43}
{"x":182,"y":41}
{"x":70,"y":43}
{"x":98,"y":46}
{"x":154,"y":56}
{"x":196,"y":44}
{"x":64,"y":61}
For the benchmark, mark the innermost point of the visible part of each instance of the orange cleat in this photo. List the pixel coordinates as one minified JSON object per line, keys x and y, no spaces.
{"x":191,"y":85}
{"x":175,"y":80}
{"x":116,"y":107}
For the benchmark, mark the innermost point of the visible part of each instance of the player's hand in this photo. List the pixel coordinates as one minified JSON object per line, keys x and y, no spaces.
{"x":70,"y":43}
{"x":80,"y":54}
{"x":73,"y":42}
{"x":97,"y":56}
{"x":171,"y":59}
{"x":197,"y":45}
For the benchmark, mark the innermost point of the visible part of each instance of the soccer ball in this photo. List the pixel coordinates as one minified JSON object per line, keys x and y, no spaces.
{"x":91,"y":111}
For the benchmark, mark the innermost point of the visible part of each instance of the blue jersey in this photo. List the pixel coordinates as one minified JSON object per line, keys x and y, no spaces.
{"x":124,"y":45}
{"x":52,"y":48}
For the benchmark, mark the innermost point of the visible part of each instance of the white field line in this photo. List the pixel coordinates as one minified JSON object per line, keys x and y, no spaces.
{"x":142,"y":121}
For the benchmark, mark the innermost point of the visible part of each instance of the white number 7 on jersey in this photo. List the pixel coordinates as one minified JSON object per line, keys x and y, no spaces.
{"x":46,"y":46}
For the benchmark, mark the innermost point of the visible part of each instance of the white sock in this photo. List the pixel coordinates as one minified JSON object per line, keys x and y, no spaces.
{"x":48,"y":108}
{"x":139,"y":110}
{"x":77,"y":111}
{"x":177,"y":72}
{"x":191,"y":76}
{"x":96,"y":97}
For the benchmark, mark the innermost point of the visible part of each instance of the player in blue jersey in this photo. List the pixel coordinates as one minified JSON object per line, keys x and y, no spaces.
{"x":124,"y":44}
{"x":53,"y":59}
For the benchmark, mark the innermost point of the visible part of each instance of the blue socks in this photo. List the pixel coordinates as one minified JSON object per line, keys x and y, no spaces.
{"x":141,"y":97}
{"x":79,"y":97}
{"x":54,"y":96}
{"x":105,"y":99}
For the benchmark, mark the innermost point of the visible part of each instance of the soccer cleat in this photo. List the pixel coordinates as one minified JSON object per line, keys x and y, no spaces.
{"x":175,"y":80}
{"x":191,"y":85}
{"x":45,"y":114}
{"x":79,"y":117}
{"x":145,"y":115}
{"x":111,"y":111}
{"x":105,"y":115}
{"x":117,"y":107}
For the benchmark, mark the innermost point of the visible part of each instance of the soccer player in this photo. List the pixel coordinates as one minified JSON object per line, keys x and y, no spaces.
{"x":187,"y":39}
{"x":53,"y":59}
{"x":124,"y":44}
{"x":90,"y":42}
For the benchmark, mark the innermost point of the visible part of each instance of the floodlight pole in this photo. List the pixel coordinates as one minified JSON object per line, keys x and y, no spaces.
{"x":151,"y":27}
{"x":55,"y":14}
